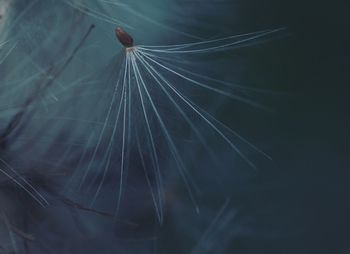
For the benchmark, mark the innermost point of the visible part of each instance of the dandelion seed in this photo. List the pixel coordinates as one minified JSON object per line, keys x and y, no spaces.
{"x":124,"y":38}
{"x":145,"y":76}
{"x":131,"y":135}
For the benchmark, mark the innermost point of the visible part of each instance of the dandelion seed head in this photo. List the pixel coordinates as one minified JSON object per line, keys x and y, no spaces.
{"x":124,"y":38}
{"x":118,"y":130}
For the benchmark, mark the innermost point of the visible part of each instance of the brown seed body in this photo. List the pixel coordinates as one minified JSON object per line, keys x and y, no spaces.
{"x":124,"y":38}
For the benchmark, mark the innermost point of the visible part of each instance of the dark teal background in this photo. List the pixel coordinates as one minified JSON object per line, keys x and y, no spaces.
{"x":296,"y":203}
{"x":301,"y":205}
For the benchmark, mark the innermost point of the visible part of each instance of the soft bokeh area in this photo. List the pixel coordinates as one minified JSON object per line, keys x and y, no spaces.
{"x":195,"y":140}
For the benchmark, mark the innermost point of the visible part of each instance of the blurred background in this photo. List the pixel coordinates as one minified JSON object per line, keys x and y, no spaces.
{"x":295,"y":203}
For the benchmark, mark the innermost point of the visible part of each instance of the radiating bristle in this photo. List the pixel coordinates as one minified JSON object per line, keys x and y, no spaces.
{"x":108,"y":149}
